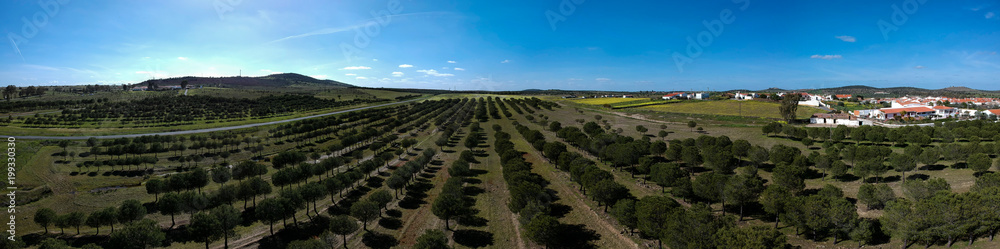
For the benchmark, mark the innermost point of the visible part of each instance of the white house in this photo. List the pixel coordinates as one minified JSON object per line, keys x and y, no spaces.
{"x":746,"y":96}
{"x":836,"y":119}
{"x":914,"y":112}
{"x":700,"y":96}
{"x":676,"y":95}
{"x":944,"y":112}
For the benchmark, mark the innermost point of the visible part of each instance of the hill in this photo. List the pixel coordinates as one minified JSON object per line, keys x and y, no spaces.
{"x":269,"y":81}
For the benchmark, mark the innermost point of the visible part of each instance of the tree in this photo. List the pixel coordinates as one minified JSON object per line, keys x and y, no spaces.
{"x":663,"y":134}
{"x":789,"y":105}
{"x":53,"y":243}
{"x":308,"y":244}
{"x":204,"y":228}
{"x":775,"y":200}
{"x":641,"y":129}
{"x":396,"y":183}
{"x":743,"y":189}
{"x":432,"y":239}
{"x":900,"y":221}
{"x":653,"y":214}
{"x":448,"y":206}
{"x":76,"y":219}
{"x":366,"y":211}
{"x":184,"y":84}
{"x":692,"y":124}
{"x":221,"y":174}
{"x":131,"y":210}
{"x":608,"y":191}
{"x":138,"y":235}
{"x":382,"y":197}
{"x":95,"y":220}
{"x":555,"y":126}
{"x":269,"y":211}
{"x":45,"y":217}
{"x":228,"y":218}
{"x":863,"y":232}
{"x":624,"y":212}
{"x":875,"y":196}
{"x":543,"y":229}
{"x":155,"y":187}
{"x":902,"y":163}
{"x":751,"y":237}
{"x":980,"y":162}
{"x":288,"y":157}
{"x":343,"y":225}
{"x":789,"y":177}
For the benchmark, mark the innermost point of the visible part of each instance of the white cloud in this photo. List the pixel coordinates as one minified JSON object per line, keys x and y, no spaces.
{"x":397,"y":74}
{"x":990,"y":15}
{"x":505,"y":61}
{"x":350,"y":74}
{"x":374,"y":59}
{"x":361,"y":78}
{"x":356,"y":68}
{"x":602,"y":79}
{"x":321,"y":76}
{"x":444,"y":67}
{"x":435,"y":73}
{"x":826,"y":57}
{"x":452,"y":62}
{"x":847,"y":38}
{"x":185,"y":58}
{"x":405,"y":66}
{"x":919,"y":67}
{"x":459,"y":69}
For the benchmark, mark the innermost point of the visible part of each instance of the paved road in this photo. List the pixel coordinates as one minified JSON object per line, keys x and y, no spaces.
{"x":206,"y":130}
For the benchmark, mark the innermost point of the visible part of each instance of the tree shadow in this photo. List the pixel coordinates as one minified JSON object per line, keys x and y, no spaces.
{"x":933,"y":167}
{"x":575,"y":236}
{"x":390,"y":223}
{"x":847,"y":178}
{"x":559,"y":210}
{"x":379,"y":240}
{"x":472,"y":221}
{"x":473,"y":238}
{"x":918,"y":177}
{"x":473,"y":190}
{"x":395,"y":213}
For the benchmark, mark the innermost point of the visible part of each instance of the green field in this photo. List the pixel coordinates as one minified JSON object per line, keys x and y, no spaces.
{"x":731,"y":108}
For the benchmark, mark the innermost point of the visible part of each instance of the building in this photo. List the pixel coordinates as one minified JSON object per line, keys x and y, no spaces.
{"x":676,"y":95}
{"x":843,"y":96}
{"x":836,"y":119}
{"x":920,"y":112}
{"x":944,"y":112}
{"x":700,"y":96}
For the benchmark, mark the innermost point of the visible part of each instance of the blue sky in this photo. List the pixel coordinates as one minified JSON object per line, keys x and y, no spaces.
{"x":510,"y":45}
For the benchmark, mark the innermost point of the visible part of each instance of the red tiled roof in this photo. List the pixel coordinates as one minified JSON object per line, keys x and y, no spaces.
{"x":941,"y":107}
{"x":672,"y":94}
{"x":907,"y":109}
{"x":841,"y":96}
{"x":995,"y":111}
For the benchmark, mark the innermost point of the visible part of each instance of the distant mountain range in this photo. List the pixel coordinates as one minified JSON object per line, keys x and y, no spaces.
{"x":274,"y":80}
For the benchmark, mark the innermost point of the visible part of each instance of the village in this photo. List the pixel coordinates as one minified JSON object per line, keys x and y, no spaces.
{"x":894,"y":112}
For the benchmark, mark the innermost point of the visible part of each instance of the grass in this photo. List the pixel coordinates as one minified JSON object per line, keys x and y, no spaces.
{"x":731,"y":108}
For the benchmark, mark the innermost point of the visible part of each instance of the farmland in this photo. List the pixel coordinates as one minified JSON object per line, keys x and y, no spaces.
{"x":407,"y":162}
{"x":731,"y":108}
